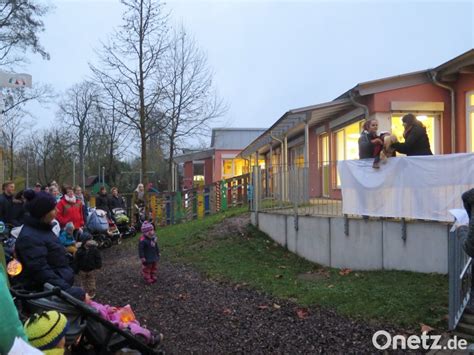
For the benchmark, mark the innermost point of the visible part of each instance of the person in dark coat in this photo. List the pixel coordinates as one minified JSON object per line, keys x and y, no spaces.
{"x":39,"y":250}
{"x":416,"y":138}
{"x":115,"y":200}
{"x":18,"y":209}
{"x":6,"y":202}
{"x":102,"y":200}
{"x":86,"y":260}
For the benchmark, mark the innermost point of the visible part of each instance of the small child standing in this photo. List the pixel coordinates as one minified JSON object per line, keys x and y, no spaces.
{"x":149,"y":252}
{"x":66,"y":237}
{"x":47,"y":332}
{"x":86,"y":261}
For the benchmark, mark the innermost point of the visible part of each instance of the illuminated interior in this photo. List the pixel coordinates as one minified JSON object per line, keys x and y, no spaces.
{"x":296,"y":156}
{"x":198,"y":171}
{"x":347,"y":144}
{"x":237,"y":167}
{"x":428,"y":121}
{"x":470,"y":117}
{"x":325,"y":163}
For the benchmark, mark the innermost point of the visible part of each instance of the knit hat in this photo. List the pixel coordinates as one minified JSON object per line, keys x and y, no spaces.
{"x":147,"y":227}
{"x":69,"y":226}
{"x":45,"y":330}
{"x":38,"y":204}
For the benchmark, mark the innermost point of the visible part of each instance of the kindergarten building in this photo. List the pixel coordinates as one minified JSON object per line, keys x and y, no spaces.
{"x":319,"y":135}
{"x":219,"y":161}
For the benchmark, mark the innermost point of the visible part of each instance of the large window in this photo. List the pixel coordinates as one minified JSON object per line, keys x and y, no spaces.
{"x":236,"y":167}
{"x":297,"y":156}
{"x":430,"y":121}
{"x":198,"y":171}
{"x":470,"y":121}
{"x":347,"y":142}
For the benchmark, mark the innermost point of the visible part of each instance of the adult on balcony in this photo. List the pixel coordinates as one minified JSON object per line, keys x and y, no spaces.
{"x":369,"y":142}
{"x":416,"y":138}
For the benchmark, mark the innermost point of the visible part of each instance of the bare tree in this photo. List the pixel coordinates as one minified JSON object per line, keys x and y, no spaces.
{"x":129,"y":67}
{"x":20,"y":24}
{"x":77,"y":110}
{"x":17,"y":119}
{"x":190,"y":101}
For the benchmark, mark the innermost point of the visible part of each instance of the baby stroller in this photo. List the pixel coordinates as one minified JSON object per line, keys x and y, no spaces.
{"x":122,"y":221}
{"x":98,"y":225}
{"x":88,"y":332}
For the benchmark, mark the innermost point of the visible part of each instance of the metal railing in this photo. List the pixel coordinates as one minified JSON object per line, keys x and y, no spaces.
{"x":460,"y":276}
{"x":304,"y":190}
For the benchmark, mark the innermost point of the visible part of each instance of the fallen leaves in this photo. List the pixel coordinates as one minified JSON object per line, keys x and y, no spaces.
{"x":227,"y":311}
{"x":345,"y":271}
{"x":263,"y":306}
{"x":279,"y":276}
{"x":425,"y":328}
{"x":302,"y":313}
{"x":276,"y":306}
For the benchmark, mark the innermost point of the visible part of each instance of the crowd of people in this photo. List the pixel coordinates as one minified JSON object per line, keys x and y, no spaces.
{"x":54,"y":245}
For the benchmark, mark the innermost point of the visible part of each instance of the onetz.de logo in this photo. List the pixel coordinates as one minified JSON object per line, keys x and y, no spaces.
{"x":383,"y":340}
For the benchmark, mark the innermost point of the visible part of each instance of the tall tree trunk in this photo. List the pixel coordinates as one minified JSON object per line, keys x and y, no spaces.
{"x":11,"y":160}
{"x":170,"y":166}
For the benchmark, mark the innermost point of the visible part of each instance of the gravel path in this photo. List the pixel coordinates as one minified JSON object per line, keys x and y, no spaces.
{"x":197,"y":315}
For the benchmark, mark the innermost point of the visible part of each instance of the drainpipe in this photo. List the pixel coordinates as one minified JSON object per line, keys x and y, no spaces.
{"x":285,"y":167}
{"x":282,"y":163}
{"x":433,"y":75}
{"x":306,"y":144}
{"x":358,"y":104}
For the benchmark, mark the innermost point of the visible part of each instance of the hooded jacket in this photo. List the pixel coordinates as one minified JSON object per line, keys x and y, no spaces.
{"x":70,"y":212}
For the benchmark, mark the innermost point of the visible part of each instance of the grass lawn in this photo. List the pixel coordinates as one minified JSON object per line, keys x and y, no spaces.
{"x":400,"y":298}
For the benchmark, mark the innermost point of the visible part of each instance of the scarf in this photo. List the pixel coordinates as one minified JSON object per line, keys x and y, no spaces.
{"x":70,"y":199}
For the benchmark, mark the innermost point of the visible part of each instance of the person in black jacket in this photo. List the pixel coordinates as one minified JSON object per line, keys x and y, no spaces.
{"x":102,"y":200}
{"x":86,"y":260}
{"x":416,"y":138}
{"x":18,"y":209}
{"x":6,"y":202}
{"x":39,"y":250}
{"x":115,"y":200}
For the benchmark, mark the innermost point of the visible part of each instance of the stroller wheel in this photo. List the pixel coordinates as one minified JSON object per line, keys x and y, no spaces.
{"x":107,"y":243}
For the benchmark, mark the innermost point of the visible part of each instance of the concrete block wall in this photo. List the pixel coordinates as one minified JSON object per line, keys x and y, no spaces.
{"x":369,"y":245}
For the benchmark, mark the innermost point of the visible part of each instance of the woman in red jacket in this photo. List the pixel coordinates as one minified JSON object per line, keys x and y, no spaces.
{"x":70,"y":209}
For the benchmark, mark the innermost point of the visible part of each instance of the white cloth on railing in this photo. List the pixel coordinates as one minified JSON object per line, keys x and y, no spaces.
{"x":419,"y":187}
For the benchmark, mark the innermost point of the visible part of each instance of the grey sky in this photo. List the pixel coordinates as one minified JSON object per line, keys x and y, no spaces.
{"x":271,"y":56}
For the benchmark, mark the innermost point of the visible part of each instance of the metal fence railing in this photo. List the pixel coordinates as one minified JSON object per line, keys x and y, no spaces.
{"x":304,"y":190}
{"x":196,"y":203}
{"x":460,"y":276}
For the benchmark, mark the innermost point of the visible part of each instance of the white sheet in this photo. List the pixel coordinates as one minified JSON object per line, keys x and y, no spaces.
{"x":421,"y":187}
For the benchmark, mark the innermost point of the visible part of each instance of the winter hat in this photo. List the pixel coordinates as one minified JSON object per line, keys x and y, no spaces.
{"x":85,"y":236}
{"x":147,"y":227}
{"x":40,"y":203}
{"x":69,"y":226}
{"x":45,"y":330}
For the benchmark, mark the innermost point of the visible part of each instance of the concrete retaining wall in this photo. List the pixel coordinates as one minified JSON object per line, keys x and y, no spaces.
{"x":369,"y":245}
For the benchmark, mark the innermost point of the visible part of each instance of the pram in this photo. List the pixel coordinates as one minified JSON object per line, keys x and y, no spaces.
{"x":119,"y":215}
{"x":103,"y":231}
{"x":88,"y":332}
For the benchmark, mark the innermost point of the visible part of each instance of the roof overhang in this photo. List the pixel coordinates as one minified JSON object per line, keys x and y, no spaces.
{"x":293,"y":123}
{"x":198,"y":155}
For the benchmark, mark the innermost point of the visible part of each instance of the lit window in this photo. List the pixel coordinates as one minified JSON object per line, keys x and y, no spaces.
{"x":347,"y":144}
{"x":297,"y":156}
{"x":227,"y":168}
{"x":198,"y":172}
{"x":430,"y":123}
{"x":470,"y":121}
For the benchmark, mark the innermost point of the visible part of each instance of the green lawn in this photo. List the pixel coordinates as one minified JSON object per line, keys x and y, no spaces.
{"x":401,"y":298}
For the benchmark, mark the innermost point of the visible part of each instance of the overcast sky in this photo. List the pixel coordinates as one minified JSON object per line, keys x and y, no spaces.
{"x":272,"y":56}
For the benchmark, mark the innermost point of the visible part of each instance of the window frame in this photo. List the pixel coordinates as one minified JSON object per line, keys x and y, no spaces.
{"x":469,"y":110}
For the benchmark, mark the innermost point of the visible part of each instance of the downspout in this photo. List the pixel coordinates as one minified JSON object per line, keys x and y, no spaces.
{"x":281,"y":163}
{"x":433,"y":74}
{"x":358,"y":104}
